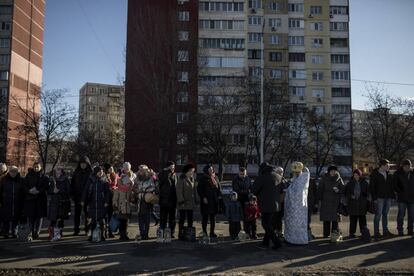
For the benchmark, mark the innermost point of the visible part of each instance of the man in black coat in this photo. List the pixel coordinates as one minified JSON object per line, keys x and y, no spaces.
{"x":404,"y":186}
{"x":266,"y":189}
{"x":168,"y":197}
{"x":79,"y":179}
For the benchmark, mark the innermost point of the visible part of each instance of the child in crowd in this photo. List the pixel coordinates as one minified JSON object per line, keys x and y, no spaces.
{"x":234,"y":214}
{"x":252,"y":213}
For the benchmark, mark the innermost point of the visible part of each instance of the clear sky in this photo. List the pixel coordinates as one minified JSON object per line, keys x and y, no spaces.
{"x":85,"y":42}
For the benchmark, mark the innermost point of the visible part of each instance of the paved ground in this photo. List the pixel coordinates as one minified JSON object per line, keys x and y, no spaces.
{"x":76,"y":256}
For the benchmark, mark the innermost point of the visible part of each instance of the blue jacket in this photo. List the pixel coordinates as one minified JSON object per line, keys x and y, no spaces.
{"x":234,"y":212}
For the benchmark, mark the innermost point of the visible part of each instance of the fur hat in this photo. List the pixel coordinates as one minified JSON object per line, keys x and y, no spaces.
{"x":126,"y":166}
{"x":297,"y":167}
{"x":13,"y":169}
{"x":3,"y":167}
{"x":332,"y":168}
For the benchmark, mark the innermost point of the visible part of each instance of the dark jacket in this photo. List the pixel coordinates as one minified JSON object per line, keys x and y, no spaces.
{"x":56,"y":201}
{"x":265,"y":187}
{"x":11,"y":198}
{"x":381,"y":187}
{"x":79,"y":179}
{"x":95,"y":196}
{"x":312,"y":194}
{"x":330,"y":199}
{"x":242,"y":188}
{"x":213,"y":194}
{"x":357,"y":206}
{"x":404,"y":186}
{"x":35,"y":205}
{"x":167,"y":188}
{"x":186,"y":193}
{"x":234,"y":211}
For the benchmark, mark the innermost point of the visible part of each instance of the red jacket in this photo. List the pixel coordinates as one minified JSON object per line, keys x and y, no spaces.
{"x":251,"y":212}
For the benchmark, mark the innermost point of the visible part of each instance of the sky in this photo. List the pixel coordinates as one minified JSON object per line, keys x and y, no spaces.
{"x":85,"y":42}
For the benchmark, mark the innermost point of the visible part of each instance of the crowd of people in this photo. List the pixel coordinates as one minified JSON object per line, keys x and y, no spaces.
{"x":106,"y":199}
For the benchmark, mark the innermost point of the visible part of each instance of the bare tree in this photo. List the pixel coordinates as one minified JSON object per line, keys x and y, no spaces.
{"x":47,"y":125}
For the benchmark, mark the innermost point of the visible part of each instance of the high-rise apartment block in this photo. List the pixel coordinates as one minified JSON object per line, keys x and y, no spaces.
{"x":21,"y":51}
{"x":302,"y":46}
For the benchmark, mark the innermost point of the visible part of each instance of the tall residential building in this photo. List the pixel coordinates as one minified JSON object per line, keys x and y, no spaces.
{"x":305,"y":51}
{"x":21,"y":51}
{"x":102,"y":110}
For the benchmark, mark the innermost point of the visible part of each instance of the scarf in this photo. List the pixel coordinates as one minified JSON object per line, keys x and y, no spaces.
{"x":357,"y":189}
{"x":213,"y":181}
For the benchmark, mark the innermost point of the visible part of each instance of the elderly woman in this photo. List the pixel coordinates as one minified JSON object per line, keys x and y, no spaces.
{"x":296,"y":206}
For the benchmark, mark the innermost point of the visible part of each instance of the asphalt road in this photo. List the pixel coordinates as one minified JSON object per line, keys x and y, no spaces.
{"x":74,"y":255}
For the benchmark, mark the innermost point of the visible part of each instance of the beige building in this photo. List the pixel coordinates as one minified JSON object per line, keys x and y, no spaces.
{"x":102,"y":110}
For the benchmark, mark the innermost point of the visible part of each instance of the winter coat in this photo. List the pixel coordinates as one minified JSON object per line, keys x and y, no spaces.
{"x":357,"y":206}
{"x":35,"y":205}
{"x":267,"y":191}
{"x":95,"y":196}
{"x":167,"y":188}
{"x":186,"y":193}
{"x":242,"y":187}
{"x":251,"y":212}
{"x":11,"y":198}
{"x":404,"y":186}
{"x":312,"y":193}
{"x":79,"y":179}
{"x":121,"y":202}
{"x":234,"y":211}
{"x":140,"y":188}
{"x":56,"y":201}
{"x":381,"y":187}
{"x":213,"y":194}
{"x":330,"y":199}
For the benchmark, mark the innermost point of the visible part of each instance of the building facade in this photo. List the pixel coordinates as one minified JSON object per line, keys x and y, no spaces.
{"x":299,"y":46}
{"x":21,"y":51}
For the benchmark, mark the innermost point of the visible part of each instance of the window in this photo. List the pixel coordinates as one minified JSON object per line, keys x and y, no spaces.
{"x":222,"y":43}
{"x":181,"y":2}
{"x":297,"y":8}
{"x":183,"y":76}
{"x":296,"y":23}
{"x":255,"y":71}
{"x":255,"y":20}
{"x":274,"y":6}
{"x":340,"y":75}
{"x":317,"y":76}
{"x":275,"y":56}
{"x":254,"y":54}
{"x":255,"y":4}
{"x":6,"y":9}
{"x":183,"y":56}
{"x":340,"y":10}
{"x":275,"y":22}
{"x":4,"y":43}
{"x":341,"y":108}
{"x":184,"y":16}
{"x":4,"y":75}
{"x":182,"y":35}
{"x":339,"y":42}
{"x":319,"y":110}
{"x":297,"y":91}
{"x":315,"y":10}
{"x":182,"y":139}
{"x":274,"y":39}
{"x":182,"y":117}
{"x":317,"y":59}
{"x":276,"y":74}
{"x":5,"y":26}
{"x":255,"y":37}
{"x":317,"y":42}
{"x":339,"y":26}
{"x":221,"y":6}
{"x":222,"y":24}
{"x":340,"y":59}
{"x":4,"y":59}
{"x":318,"y":93}
{"x":224,"y":62}
{"x":297,"y":74}
{"x":316,"y":26}
{"x":296,"y":40}
{"x":181,"y":159}
{"x":341,"y":92}
{"x":296,"y":57}
{"x":182,"y":97}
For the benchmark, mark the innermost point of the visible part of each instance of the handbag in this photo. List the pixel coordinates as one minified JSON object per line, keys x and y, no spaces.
{"x":114,"y":224}
{"x":151,"y":198}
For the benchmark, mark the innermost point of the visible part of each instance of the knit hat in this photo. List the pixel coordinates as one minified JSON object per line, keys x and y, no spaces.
{"x":188,"y":167}
{"x":332,"y":168}
{"x":406,"y":162}
{"x":297,"y":167}
{"x":358,"y":172}
{"x":126,"y":166}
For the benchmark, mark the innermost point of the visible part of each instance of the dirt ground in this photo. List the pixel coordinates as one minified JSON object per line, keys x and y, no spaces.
{"x":74,"y":255}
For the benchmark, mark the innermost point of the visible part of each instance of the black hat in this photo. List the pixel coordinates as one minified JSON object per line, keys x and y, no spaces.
{"x":206,"y":168}
{"x":332,"y":168}
{"x":188,"y":167}
{"x":169,"y":163}
{"x":406,"y":162}
{"x":97,"y":169}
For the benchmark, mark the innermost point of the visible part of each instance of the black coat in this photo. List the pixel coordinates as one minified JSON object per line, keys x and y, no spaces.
{"x":11,"y":198}
{"x":35,"y":205}
{"x":95,"y":196}
{"x":242,"y":188}
{"x":312,"y":193}
{"x":56,"y":208}
{"x":381,"y":187}
{"x":357,"y":207}
{"x":404,"y":186}
{"x":266,"y":189}
{"x":212,"y":193}
{"x":330,"y":199}
{"x":167,"y":188}
{"x":79,"y":179}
